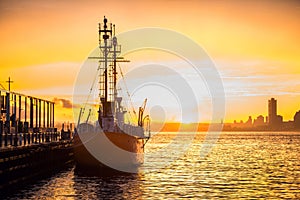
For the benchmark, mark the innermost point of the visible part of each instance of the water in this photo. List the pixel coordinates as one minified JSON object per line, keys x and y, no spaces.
{"x":241,"y":165}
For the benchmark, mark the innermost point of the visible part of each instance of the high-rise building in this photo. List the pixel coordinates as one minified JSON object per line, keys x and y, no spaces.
{"x":272,"y":114}
{"x":274,"y":120}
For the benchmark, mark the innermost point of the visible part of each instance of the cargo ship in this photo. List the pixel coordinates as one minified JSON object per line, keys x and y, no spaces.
{"x":110,"y":142}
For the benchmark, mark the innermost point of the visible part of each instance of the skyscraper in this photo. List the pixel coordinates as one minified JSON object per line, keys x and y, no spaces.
{"x":272,"y":115}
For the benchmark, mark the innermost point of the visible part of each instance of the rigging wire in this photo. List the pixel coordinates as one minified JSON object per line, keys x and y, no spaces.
{"x":91,"y":89}
{"x":127,"y":92}
{"x":130,"y":118}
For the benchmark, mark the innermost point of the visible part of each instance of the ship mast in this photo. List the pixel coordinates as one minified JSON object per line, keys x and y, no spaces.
{"x":109,"y":49}
{"x":105,"y":33}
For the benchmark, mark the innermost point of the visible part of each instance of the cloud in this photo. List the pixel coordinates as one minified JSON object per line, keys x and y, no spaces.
{"x":65,"y":103}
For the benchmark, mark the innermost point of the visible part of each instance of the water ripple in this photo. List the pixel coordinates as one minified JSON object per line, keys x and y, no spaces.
{"x":241,"y":165}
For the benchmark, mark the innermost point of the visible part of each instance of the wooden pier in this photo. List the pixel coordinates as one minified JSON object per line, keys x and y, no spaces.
{"x":29,"y":144}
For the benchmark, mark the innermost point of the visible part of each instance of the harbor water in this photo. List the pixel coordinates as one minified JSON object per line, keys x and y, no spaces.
{"x":248,"y":165}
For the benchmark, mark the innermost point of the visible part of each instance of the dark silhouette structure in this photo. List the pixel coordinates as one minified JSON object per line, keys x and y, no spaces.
{"x":274,"y":120}
{"x":297,"y":120}
{"x":272,"y":108}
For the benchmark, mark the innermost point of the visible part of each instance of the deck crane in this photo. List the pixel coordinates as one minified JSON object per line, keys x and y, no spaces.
{"x":141,"y":112}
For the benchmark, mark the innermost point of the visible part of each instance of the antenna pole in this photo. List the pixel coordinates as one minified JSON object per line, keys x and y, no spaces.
{"x":9,"y":82}
{"x":106,"y":32}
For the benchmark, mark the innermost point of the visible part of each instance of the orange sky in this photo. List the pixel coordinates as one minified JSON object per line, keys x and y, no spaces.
{"x":255,"y":44}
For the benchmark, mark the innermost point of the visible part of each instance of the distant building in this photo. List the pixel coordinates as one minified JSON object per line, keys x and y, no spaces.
{"x":297,"y":120}
{"x":271,"y":122}
{"x":274,"y":120}
{"x":279,"y":120}
{"x":248,"y":123}
{"x":259,"y":121}
{"x":272,"y":114}
{"x":289,"y":125}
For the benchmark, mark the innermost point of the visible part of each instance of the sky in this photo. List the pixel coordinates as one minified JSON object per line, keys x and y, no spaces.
{"x":255,"y":46}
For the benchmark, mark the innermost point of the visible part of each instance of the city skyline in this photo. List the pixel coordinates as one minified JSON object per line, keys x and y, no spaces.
{"x":271,"y":121}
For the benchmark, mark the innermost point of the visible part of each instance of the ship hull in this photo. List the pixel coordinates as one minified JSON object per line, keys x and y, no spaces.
{"x":109,"y":150}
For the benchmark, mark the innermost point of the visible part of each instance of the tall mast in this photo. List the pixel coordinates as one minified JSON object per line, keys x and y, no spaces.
{"x":105,"y":33}
{"x":109,"y":49}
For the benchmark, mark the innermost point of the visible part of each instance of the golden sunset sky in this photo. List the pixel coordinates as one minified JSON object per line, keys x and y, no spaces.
{"x":255,"y":46}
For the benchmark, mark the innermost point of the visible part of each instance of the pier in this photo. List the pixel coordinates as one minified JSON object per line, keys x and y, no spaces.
{"x":30,"y":145}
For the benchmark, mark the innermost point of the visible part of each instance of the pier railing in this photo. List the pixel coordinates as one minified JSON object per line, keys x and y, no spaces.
{"x":27,"y":120}
{"x":33,"y":137}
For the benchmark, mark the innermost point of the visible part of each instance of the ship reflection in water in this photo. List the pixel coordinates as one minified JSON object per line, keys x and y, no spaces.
{"x":242,"y":165}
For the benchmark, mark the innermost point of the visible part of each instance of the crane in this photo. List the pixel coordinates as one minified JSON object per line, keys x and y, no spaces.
{"x":141,"y":112}
{"x":88,"y":117}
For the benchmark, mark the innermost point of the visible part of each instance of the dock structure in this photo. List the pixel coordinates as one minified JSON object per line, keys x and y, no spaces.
{"x":30,"y":145}
{"x":25,"y":119}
